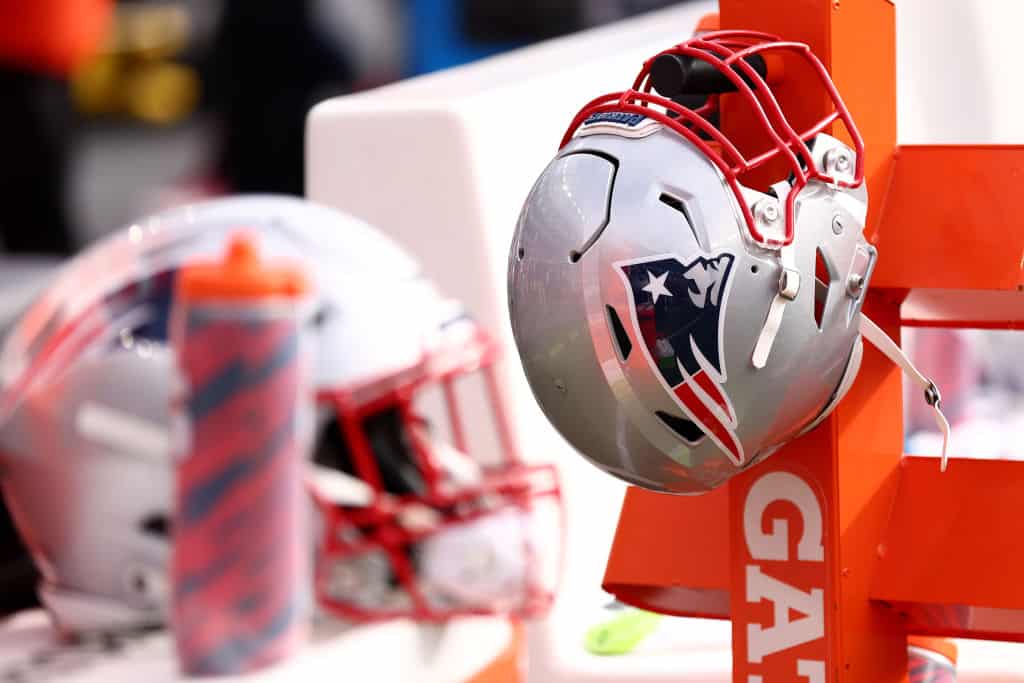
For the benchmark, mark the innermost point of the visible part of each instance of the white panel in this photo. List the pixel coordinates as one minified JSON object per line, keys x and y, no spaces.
{"x":958,"y":74}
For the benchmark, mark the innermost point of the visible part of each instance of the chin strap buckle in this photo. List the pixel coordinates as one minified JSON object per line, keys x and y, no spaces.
{"x":789,"y":283}
{"x":789,"y":287}
{"x":884,"y":343}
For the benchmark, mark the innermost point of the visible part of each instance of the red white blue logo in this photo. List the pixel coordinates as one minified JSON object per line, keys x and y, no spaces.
{"x":677,"y":310}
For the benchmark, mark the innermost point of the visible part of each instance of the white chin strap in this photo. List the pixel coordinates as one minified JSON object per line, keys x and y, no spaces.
{"x":789,"y":287}
{"x":483,"y":563}
{"x":884,"y":343}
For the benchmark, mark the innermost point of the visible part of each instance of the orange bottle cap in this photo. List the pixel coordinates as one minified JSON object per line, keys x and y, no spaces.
{"x":942,"y":646}
{"x":240,"y":275}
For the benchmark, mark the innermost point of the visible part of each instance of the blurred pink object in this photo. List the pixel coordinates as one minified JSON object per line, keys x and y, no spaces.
{"x":949,"y":359}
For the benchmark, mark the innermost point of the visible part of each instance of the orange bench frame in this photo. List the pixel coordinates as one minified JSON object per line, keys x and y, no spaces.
{"x":847,"y":545}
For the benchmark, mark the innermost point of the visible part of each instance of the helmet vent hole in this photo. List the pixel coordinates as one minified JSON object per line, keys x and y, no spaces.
{"x":755,"y":269}
{"x":688,"y":431}
{"x":156,"y":525}
{"x":678,"y":204}
{"x":623,"y":345}
{"x":521,"y":253}
{"x":320,"y":317}
{"x":823,"y":278}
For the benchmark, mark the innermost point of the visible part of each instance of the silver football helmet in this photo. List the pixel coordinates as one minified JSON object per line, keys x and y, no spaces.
{"x":408,"y":510}
{"x":675,"y":324}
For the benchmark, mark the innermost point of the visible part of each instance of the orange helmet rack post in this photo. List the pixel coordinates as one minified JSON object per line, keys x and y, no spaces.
{"x":826,"y":556}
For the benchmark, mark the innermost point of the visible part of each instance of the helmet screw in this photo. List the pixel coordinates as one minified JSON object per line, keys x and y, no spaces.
{"x":855,"y":284}
{"x":560,"y":386}
{"x":837,"y":225}
{"x":838,"y":160}
{"x":767,"y":211}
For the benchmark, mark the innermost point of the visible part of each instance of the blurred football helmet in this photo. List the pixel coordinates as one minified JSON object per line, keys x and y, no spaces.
{"x":677,"y":325}
{"x":410,"y":521}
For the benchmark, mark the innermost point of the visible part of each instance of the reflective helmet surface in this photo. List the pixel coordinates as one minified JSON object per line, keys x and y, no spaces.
{"x":675,"y":325}
{"x":85,"y":446}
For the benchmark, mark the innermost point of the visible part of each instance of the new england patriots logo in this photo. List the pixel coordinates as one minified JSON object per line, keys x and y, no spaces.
{"x":677,"y":311}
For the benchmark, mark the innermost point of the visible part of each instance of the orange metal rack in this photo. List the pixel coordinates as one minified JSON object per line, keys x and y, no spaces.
{"x":828,"y":554}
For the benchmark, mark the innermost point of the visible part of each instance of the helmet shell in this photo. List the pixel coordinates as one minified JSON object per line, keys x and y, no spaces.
{"x":609,"y":216}
{"x":87,"y":373}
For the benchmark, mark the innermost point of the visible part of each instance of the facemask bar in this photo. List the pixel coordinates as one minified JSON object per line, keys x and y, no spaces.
{"x":520,"y":490}
{"x":395,"y":523}
{"x":398,"y":390}
{"x":727,"y":52}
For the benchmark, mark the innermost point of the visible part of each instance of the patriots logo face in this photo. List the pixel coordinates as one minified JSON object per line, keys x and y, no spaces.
{"x":677,"y":311}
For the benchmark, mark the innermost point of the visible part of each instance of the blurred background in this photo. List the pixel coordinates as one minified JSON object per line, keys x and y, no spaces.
{"x":113,"y":109}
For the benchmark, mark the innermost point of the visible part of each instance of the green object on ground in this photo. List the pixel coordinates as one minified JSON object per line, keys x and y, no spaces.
{"x":621,"y":634}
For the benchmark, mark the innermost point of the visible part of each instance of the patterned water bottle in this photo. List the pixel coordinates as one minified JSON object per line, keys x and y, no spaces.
{"x":242,"y":414}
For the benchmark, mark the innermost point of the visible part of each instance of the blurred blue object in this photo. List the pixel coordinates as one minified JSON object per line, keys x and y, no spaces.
{"x":437,"y":40}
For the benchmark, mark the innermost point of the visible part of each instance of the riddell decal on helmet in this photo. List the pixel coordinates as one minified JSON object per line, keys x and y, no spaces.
{"x":620,"y":123}
{"x":676,"y":309}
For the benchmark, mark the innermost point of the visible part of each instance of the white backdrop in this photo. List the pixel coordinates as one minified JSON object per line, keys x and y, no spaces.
{"x":958,"y":74}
